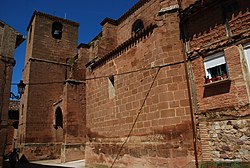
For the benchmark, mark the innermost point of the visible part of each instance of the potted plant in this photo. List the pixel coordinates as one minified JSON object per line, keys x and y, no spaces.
{"x":207,"y":80}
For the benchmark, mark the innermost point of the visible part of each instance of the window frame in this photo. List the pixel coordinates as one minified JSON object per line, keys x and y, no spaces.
{"x":111,"y":86}
{"x":215,"y":60}
{"x":247,"y":47}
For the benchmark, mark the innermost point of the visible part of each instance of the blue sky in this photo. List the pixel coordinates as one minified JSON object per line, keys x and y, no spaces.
{"x":17,"y":14}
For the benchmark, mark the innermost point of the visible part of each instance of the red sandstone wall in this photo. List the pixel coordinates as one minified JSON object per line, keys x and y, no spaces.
{"x":45,"y":80}
{"x":124,"y":30}
{"x":162,"y":135}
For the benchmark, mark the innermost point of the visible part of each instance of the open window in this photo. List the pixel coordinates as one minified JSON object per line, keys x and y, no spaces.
{"x":57,"y":30}
{"x":215,"y":68}
{"x":137,"y":26}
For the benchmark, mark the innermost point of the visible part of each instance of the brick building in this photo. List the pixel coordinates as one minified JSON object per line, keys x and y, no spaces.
{"x":218,"y":54}
{"x":164,"y":85}
{"x":10,"y":39}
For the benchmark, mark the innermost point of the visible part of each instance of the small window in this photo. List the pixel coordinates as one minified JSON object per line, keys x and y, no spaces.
{"x":111,"y":86}
{"x":215,"y":68}
{"x":21,"y":138}
{"x":137,"y":26}
{"x":22,"y":109}
{"x":57,"y":30}
{"x":247,"y":55}
{"x":30,"y":33}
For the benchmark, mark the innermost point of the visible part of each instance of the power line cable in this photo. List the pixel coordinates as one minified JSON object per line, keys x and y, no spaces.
{"x":106,"y":76}
{"x":137,"y":116}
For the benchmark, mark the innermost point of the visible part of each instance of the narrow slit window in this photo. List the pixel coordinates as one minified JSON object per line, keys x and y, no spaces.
{"x":111,"y":86}
{"x":30,"y":33}
{"x":22,"y":109}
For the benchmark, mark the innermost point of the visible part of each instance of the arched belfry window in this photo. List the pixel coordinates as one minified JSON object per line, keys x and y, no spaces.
{"x":58,"y":118}
{"x":137,"y":26}
{"x":57,"y":30}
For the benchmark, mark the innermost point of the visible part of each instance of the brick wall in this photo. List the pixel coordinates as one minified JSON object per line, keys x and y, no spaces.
{"x":234,"y":93}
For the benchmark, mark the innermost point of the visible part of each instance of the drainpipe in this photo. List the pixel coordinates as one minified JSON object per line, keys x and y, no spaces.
{"x":183,"y":41}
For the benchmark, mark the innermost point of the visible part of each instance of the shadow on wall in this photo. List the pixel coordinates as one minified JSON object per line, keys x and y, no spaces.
{"x":24,"y":163}
{"x":222,"y":87}
{"x":225,"y":12}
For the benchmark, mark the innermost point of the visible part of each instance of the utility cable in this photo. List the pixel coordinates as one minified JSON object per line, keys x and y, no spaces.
{"x":137,"y":116}
{"x":106,"y":76}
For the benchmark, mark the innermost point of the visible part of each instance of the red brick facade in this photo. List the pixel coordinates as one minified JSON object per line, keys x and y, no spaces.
{"x":222,"y":106}
{"x":124,"y":99}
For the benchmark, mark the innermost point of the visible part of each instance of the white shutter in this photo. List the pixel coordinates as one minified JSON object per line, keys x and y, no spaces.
{"x":247,"y":55}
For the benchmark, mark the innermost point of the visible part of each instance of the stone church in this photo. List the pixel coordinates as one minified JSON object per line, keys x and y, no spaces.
{"x":165,"y":85}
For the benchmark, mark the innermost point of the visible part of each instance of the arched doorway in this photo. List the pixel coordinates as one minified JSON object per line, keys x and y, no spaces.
{"x":59,"y":124}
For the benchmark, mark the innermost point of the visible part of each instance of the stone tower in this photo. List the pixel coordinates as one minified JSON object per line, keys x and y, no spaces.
{"x":51,"y":42}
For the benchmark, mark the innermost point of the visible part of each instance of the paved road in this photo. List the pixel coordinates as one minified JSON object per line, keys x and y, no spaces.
{"x":49,"y":164}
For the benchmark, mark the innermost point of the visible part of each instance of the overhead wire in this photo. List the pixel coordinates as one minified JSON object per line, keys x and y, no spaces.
{"x":136,"y":118}
{"x":106,"y":76}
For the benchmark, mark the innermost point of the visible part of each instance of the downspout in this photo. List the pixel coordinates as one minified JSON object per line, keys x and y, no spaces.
{"x":183,"y":41}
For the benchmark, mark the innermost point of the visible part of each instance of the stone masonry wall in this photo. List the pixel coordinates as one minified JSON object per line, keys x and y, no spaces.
{"x":229,"y":140}
{"x":44,"y":73}
{"x":162,"y":135}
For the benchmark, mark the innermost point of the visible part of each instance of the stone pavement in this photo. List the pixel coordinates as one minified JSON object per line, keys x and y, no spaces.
{"x":49,"y":164}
